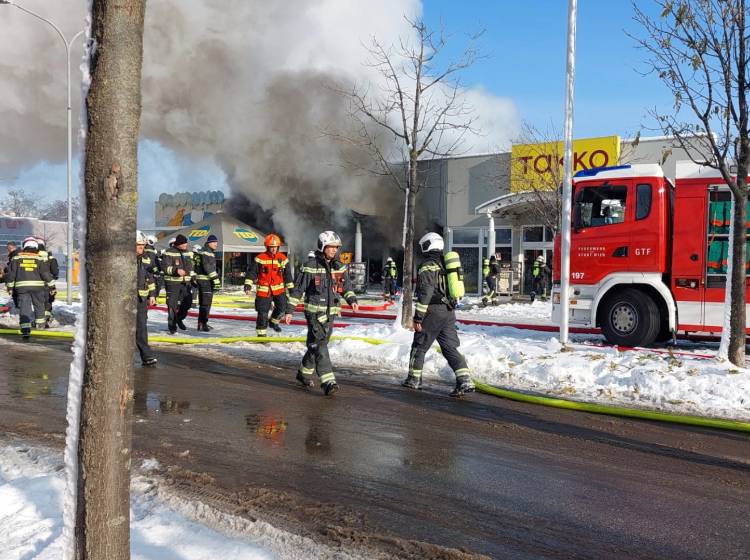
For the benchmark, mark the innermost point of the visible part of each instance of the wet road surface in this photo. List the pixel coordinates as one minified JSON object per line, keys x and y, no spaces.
{"x":384,"y":467}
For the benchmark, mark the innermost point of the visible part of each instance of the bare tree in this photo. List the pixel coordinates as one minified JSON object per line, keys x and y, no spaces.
{"x":19,"y":203}
{"x":698,"y":48}
{"x":104,"y":450}
{"x":417,"y":112}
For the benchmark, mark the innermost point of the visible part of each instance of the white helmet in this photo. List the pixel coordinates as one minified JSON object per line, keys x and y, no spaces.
{"x":328,"y":239}
{"x":431,"y":242}
{"x":172,"y":240}
{"x":140,"y":239}
{"x":151,"y":239}
{"x":30,"y":243}
{"x":196,"y":248}
{"x":311,"y":255}
{"x":389,"y":259}
{"x":540,"y":259}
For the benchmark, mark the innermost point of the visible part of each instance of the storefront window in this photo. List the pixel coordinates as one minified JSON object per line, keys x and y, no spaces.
{"x":503,"y":236}
{"x":465,"y":236}
{"x":533,"y":234}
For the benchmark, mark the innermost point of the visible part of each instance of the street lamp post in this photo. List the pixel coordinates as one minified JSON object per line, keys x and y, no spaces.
{"x":69,"y":132}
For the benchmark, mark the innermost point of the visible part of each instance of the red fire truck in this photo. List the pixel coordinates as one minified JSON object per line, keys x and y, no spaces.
{"x":647,"y":258}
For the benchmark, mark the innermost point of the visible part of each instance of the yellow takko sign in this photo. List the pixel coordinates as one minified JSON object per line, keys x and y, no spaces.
{"x":539,"y":166}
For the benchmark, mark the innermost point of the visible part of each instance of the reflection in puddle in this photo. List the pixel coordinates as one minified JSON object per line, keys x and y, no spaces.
{"x":267,"y":426}
{"x":154,"y":403}
{"x":32,"y":385}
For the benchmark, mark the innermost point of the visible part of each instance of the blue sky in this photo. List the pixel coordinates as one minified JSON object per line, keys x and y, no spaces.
{"x":526,"y":46}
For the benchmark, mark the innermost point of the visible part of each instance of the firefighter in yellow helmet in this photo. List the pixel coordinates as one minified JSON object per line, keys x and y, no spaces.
{"x":271,"y":276}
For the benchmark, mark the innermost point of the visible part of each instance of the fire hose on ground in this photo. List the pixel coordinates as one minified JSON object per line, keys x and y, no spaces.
{"x":688,"y":420}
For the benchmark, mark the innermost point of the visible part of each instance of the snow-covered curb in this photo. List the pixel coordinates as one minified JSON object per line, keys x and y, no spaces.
{"x":163,"y":525}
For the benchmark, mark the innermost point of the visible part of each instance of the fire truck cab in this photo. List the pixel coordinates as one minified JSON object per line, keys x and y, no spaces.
{"x":647,"y":258}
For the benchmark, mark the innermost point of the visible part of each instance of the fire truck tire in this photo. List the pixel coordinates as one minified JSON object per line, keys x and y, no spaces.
{"x":630,"y":318}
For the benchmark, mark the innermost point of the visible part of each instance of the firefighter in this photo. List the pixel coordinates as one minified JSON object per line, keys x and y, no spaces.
{"x":54,"y":269}
{"x":435,"y":318}
{"x":177,"y":264}
{"x":322,"y":283}
{"x":153,"y":256}
{"x":539,"y":278}
{"x":390,"y":275}
{"x":208,"y":280}
{"x":12,"y":249}
{"x":486,"y":273}
{"x":146,"y":296}
{"x":493,"y":270}
{"x":29,"y":281}
{"x":271,"y":276}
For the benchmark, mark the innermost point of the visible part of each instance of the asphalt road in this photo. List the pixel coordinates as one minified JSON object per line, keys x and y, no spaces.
{"x":413,"y":474}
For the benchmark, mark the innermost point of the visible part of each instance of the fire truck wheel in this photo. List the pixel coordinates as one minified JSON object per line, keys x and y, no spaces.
{"x":630,"y":318}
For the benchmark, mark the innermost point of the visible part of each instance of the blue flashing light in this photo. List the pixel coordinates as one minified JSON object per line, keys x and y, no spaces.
{"x":594,"y":171}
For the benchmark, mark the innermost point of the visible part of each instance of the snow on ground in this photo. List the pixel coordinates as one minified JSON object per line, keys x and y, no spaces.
{"x":162,"y":527}
{"x":516,"y":359}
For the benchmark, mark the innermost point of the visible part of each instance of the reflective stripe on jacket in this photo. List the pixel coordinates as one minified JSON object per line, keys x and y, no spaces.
{"x":321,"y":286}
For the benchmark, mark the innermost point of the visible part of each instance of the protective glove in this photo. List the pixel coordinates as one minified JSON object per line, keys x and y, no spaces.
{"x":53,"y":291}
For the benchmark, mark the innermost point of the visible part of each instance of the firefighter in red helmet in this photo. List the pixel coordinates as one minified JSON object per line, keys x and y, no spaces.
{"x":270,"y":274}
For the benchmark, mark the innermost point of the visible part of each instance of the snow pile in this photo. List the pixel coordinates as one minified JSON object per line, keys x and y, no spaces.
{"x":162,"y":526}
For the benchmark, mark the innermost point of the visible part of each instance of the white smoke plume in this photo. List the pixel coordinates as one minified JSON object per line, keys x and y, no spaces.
{"x":244,"y":85}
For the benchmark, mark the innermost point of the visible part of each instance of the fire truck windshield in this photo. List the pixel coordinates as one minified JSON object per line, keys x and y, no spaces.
{"x":600,"y":206}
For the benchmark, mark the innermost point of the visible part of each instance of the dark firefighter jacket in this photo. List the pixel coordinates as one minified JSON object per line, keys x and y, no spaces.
{"x":29,"y":271}
{"x":174,"y":259}
{"x":150,"y":252}
{"x":54,"y":267}
{"x":205,"y":268}
{"x":431,"y":288}
{"x":146,"y":283}
{"x":321,"y":285}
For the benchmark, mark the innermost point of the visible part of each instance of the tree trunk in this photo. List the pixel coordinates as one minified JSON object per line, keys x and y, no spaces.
{"x":114,"y":108}
{"x":407,"y":306}
{"x":737,"y":336}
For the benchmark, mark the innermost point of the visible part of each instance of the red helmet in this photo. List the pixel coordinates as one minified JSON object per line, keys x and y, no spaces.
{"x":272,"y":240}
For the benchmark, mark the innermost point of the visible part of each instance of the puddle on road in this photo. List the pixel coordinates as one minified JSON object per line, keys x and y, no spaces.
{"x":267,"y":427}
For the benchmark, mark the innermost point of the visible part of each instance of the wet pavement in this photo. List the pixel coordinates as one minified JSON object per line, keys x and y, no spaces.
{"x":383,"y":467}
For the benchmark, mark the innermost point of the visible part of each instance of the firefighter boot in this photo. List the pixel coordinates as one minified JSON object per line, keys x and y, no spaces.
{"x":150,"y":362}
{"x":180,"y":325}
{"x":412,"y":382}
{"x":305,"y":380}
{"x":464,"y":385}
{"x":275,"y":326}
{"x":329,"y":388}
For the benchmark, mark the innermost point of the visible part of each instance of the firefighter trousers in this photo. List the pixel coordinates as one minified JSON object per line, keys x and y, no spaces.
{"x":141,"y":330}
{"x":389,"y":287}
{"x":263,"y":306}
{"x":205,"y":298}
{"x":31,"y":308}
{"x":179,"y":300}
{"x":439,"y":324}
{"x":316,"y":359}
{"x":48,"y":306}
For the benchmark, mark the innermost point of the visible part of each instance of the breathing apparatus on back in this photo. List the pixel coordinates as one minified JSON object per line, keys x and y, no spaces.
{"x":454,"y":274}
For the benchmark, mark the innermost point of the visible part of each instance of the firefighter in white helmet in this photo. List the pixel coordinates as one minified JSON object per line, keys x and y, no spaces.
{"x":390,"y":279}
{"x":146,"y":287}
{"x":322,"y":283}
{"x":29,"y":281}
{"x":435,"y":319}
